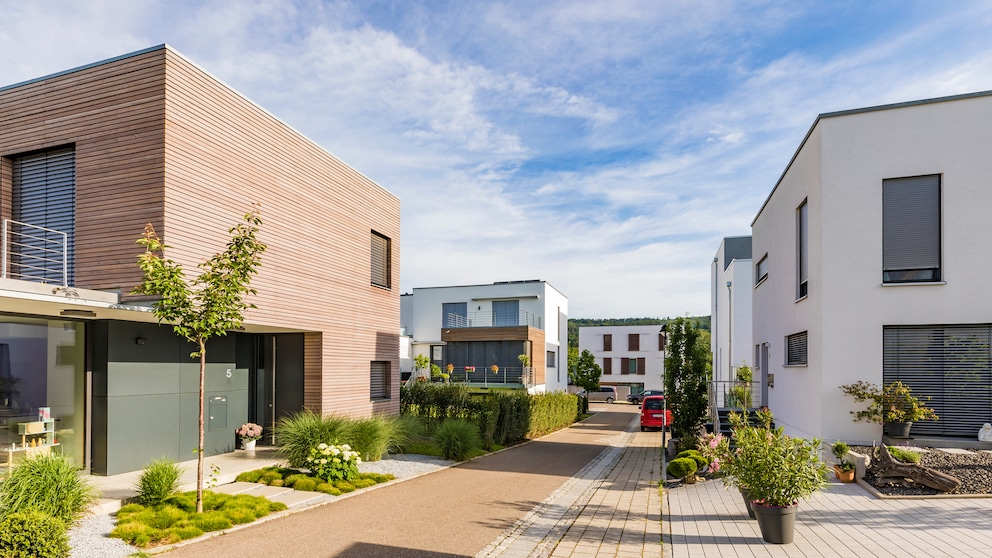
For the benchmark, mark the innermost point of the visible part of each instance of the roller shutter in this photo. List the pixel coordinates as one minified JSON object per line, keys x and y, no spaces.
{"x":44,"y":195}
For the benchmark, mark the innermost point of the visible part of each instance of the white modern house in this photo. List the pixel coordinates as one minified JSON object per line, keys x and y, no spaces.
{"x":631,"y":356}
{"x":474,"y":327}
{"x":873,"y":264}
{"x":730,"y":308}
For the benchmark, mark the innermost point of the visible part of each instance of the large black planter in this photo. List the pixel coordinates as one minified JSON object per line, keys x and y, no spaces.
{"x":898,"y":429}
{"x":777,"y":525}
{"x":747,"y":502}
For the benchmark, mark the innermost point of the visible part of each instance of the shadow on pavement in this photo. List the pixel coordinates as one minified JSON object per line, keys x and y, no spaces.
{"x":367,"y":550}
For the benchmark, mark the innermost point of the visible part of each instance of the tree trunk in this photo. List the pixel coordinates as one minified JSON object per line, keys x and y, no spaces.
{"x":199,"y":447}
{"x":889,"y":468}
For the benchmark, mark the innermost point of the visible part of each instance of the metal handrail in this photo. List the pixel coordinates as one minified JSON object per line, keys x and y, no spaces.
{"x":25,"y":254}
{"x":487,"y":319}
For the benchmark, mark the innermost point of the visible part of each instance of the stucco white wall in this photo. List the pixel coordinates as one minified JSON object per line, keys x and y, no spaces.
{"x":591,"y":339}
{"x":848,"y":305}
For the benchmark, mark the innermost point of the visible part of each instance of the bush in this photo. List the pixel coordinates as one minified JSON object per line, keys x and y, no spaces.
{"x":371,"y":437}
{"x":298,"y":432}
{"x":344,"y":486}
{"x":158,"y":481}
{"x":904,"y":455}
{"x":33,"y":534}
{"x":435,"y":403}
{"x":681,"y":467}
{"x":457,"y":438}
{"x":328,"y":488}
{"x":552,"y":411}
{"x":701,"y":462}
{"x":249,"y":476}
{"x":48,"y":483}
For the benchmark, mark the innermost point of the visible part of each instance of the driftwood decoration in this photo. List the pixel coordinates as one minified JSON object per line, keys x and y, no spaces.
{"x":890,"y":468}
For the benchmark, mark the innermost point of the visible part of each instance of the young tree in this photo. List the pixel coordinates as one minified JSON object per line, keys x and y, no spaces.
{"x":685,"y":378}
{"x":206,"y":306}
{"x":587,"y":372}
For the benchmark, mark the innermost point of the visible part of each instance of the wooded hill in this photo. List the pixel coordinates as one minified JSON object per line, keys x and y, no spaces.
{"x":703,"y":322}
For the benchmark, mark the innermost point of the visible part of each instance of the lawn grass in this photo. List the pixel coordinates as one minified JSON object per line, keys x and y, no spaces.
{"x":175,"y":518}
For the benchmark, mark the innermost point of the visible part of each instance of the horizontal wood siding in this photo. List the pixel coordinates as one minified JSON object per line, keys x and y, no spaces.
{"x":224,"y":153}
{"x":114,"y":115}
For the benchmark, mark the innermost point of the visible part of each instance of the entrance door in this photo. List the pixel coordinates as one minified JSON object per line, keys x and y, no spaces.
{"x":276,"y":379}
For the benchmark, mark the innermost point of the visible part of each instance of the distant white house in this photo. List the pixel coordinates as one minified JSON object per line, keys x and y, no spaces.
{"x":474,"y":327}
{"x":873,"y":253}
{"x":730,"y":308}
{"x":632,"y":357}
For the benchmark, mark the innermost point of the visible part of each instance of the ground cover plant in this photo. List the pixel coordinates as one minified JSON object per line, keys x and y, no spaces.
{"x":175,"y":519}
{"x":301,"y":480}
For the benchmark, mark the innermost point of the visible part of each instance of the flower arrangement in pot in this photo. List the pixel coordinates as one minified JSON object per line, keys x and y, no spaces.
{"x":892,"y":405}
{"x":249,"y":433}
{"x":778,"y":471}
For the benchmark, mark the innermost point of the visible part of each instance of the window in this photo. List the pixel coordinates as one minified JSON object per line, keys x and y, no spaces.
{"x":551,"y":359}
{"x":607,"y":342}
{"x":761,"y":271}
{"x":661,"y":341}
{"x":380,"y":260}
{"x":607,"y":365}
{"x":506,"y":313}
{"x":43,"y":195}
{"x":454,"y":314}
{"x":795,"y":347}
{"x":625,"y":366}
{"x":757,"y":357}
{"x":911,"y":229}
{"x":802,"y":250}
{"x":639,"y":366}
{"x":634,"y":342}
{"x":379,"y":387}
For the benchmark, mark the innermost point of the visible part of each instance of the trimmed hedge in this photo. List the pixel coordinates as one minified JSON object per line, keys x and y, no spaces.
{"x":552,"y":411}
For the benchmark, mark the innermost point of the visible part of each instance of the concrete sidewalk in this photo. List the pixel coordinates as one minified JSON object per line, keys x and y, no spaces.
{"x":847,"y":521}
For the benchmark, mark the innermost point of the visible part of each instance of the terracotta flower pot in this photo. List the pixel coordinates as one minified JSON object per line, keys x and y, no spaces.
{"x":842,"y":475}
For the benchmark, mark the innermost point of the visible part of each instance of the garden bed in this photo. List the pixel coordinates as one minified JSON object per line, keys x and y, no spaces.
{"x":974,"y":470}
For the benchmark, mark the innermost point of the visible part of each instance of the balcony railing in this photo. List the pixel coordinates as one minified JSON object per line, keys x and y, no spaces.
{"x":33,"y":253}
{"x":485,"y":376}
{"x":487,"y":319}
{"x":734,"y":394}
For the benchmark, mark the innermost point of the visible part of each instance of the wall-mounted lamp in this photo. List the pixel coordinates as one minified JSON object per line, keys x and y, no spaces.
{"x":140,"y":340}
{"x":78,"y":313}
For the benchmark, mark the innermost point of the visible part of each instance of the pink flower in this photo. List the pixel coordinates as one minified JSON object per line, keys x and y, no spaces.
{"x":715,"y":465}
{"x":714,"y":443}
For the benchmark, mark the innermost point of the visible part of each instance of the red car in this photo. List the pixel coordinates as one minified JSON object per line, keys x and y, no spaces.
{"x":654,"y":414}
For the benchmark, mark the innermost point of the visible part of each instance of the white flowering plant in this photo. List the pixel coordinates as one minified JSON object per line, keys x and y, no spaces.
{"x":249,"y":431}
{"x":333,"y":462}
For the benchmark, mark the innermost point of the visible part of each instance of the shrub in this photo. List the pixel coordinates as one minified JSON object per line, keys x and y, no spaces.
{"x":330,"y":462}
{"x":701,"y":462}
{"x":328,"y":488}
{"x":290,"y":481}
{"x":158,"y":481}
{"x":681,"y":467}
{"x":48,"y":483}
{"x":270,"y":476}
{"x":344,"y":486}
{"x":552,"y":411}
{"x":298,"y":432}
{"x":904,"y":455}
{"x":277,"y":482}
{"x":33,"y":534}
{"x":435,"y":403}
{"x":457,"y":438}
{"x":307,"y":484}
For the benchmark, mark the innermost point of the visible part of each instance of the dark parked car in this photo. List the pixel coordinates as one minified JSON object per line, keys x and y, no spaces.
{"x":636,"y":398}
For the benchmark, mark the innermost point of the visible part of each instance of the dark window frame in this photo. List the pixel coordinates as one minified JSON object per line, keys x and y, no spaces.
{"x":381,"y":390}
{"x":912,"y":234}
{"x":797,"y":349}
{"x":381,"y":256}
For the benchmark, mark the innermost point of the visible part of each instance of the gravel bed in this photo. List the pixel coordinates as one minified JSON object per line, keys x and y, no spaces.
{"x":974,"y":470}
{"x":88,"y":538}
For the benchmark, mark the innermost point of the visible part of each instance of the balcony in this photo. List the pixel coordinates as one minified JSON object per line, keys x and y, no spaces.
{"x":483,"y":376}
{"x":32,"y":253}
{"x":488,"y":319}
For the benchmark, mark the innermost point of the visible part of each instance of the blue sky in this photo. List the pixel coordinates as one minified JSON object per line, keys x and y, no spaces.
{"x":603,"y":146}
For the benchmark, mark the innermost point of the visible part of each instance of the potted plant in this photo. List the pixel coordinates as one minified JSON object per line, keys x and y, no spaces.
{"x":844,"y":468}
{"x":723,"y":460}
{"x":249,"y":434}
{"x":892,"y":405}
{"x":777,"y":471}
